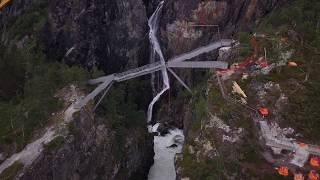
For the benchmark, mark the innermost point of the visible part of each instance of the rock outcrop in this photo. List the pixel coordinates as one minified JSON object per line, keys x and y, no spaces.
{"x":231,"y":16}
{"x":177,"y":35}
{"x":94,"y":150}
{"x":113,"y":35}
{"x":109,"y":34}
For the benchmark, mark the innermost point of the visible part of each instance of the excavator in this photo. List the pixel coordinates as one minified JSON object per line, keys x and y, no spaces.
{"x":283,"y":171}
{"x":3,"y":3}
{"x":315,"y":162}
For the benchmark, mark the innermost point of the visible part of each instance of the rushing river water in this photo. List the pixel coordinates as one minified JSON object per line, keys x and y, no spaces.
{"x":165,"y":148}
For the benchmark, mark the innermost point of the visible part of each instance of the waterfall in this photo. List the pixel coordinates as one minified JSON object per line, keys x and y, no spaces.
{"x":153,"y":75}
{"x":153,"y":23}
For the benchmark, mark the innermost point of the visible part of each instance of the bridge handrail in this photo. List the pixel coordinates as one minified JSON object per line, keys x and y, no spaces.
{"x":203,"y":49}
{"x":141,"y":68}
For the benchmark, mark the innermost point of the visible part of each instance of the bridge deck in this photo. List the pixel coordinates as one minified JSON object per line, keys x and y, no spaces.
{"x":199,"y":64}
{"x":176,"y":62}
{"x":100,"y":79}
{"x":140,"y":71}
{"x":79,"y":104}
{"x":201,"y":50}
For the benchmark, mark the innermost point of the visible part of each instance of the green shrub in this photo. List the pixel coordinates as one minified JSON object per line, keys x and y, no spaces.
{"x":199,"y":109}
{"x":244,"y":38}
{"x":29,"y":80}
{"x":208,"y":169}
{"x":301,"y":16}
{"x":11,"y":171}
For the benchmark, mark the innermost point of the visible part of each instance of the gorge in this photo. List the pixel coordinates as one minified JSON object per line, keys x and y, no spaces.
{"x":99,"y":38}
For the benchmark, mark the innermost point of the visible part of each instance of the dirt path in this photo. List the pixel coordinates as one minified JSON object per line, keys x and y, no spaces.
{"x":34,"y":149}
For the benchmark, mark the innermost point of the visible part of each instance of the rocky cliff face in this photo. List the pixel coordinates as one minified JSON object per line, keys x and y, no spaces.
{"x":231,"y":16}
{"x":94,"y":150}
{"x":113,"y":35}
{"x":109,"y":34}
{"x":177,"y":34}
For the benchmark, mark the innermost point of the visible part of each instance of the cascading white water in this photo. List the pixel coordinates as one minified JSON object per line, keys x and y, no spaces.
{"x":153,"y":23}
{"x":163,"y":167}
{"x":153,"y":75}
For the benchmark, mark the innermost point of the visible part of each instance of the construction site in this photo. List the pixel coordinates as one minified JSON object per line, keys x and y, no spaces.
{"x":290,"y":157}
{"x":287,"y":151}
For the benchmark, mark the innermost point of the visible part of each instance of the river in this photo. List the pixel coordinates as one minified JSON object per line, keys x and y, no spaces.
{"x":165,"y":148}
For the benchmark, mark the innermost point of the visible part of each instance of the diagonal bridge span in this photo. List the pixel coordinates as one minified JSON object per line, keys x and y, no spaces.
{"x":105,"y":82}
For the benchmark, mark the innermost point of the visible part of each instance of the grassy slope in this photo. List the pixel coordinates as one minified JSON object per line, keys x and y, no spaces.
{"x":29,"y":79}
{"x":300,"y":16}
{"x":300,"y":23}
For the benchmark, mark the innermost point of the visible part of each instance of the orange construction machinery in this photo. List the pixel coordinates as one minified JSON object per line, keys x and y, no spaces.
{"x":313,"y":175}
{"x":283,"y":171}
{"x":249,"y":60}
{"x":263,"y":111}
{"x":3,"y":3}
{"x":315,"y":161}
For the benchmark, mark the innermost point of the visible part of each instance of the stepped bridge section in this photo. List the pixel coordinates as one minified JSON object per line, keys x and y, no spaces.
{"x":105,"y":82}
{"x":201,"y":50}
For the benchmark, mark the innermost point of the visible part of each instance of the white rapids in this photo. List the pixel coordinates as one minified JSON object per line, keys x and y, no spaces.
{"x":163,"y":167}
